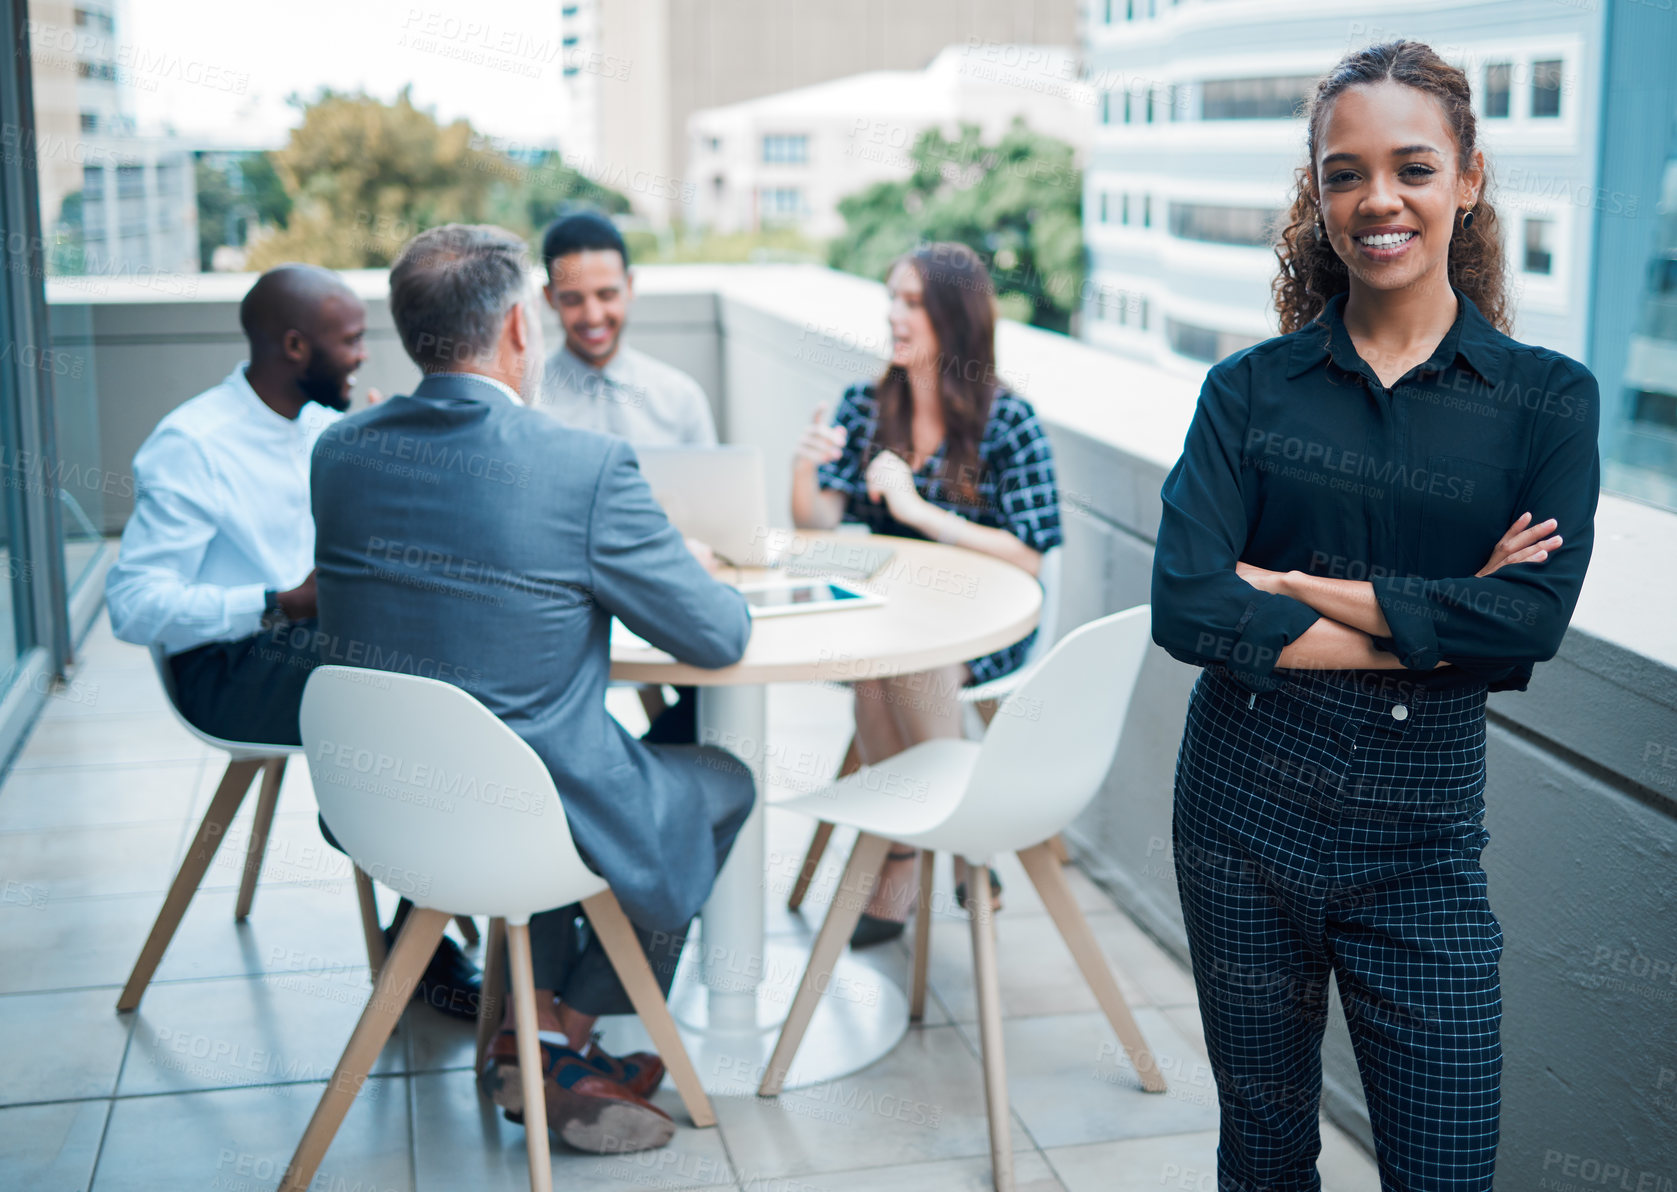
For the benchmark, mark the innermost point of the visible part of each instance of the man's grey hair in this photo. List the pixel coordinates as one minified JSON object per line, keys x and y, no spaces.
{"x":451,"y":289}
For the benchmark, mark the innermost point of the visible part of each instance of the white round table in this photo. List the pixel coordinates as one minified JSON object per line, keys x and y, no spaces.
{"x":942,"y":605}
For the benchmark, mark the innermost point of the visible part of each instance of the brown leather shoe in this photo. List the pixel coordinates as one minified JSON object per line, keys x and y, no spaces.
{"x":588,"y":1110}
{"x":640,"y":1072}
{"x":592,"y":1113}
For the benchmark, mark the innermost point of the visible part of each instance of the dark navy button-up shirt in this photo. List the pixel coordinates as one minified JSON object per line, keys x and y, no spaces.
{"x":1298,"y":458}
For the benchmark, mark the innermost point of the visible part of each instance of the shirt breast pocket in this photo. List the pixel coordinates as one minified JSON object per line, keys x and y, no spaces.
{"x":1465,"y":506}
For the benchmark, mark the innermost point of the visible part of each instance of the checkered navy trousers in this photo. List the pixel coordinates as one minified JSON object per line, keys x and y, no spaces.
{"x":1334,"y":825}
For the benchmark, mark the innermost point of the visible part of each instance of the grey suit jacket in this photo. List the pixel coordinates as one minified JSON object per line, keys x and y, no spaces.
{"x":464,"y":537}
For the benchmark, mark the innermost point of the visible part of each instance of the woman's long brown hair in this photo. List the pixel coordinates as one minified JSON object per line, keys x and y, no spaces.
{"x":1311,"y":272}
{"x":960,"y":302}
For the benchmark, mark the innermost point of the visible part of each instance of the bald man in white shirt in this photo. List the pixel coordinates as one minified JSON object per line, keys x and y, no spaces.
{"x":217,"y":560}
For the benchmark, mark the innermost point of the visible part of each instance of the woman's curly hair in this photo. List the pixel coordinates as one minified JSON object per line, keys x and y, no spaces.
{"x":1311,"y":272}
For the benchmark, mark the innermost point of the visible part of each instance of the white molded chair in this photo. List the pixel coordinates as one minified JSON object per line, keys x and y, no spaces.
{"x":980,"y":700}
{"x":439,"y":800}
{"x":244,"y":759}
{"x":1047,"y":752}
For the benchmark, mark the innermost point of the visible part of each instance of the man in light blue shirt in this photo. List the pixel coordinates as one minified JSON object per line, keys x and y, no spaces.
{"x":595,"y":381}
{"x":217,"y":561}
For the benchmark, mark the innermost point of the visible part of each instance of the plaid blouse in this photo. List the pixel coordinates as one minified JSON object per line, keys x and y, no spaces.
{"x":1016,"y":488}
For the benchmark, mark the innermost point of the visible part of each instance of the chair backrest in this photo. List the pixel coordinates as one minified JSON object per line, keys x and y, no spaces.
{"x":1051,"y":743}
{"x":1048,"y":621}
{"x":237,"y":750}
{"x":433,"y":796}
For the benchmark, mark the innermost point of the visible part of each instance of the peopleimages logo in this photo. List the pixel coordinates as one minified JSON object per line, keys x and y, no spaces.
{"x":438,"y":780}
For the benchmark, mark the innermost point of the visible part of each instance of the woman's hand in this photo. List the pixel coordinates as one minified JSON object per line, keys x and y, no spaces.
{"x":1261,"y":578}
{"x":820,"y":443}
{"x":889,"y":479}
{"x":1524,"y":543}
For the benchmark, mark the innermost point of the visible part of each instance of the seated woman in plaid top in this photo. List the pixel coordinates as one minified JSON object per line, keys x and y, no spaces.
{"x":935,"y":449}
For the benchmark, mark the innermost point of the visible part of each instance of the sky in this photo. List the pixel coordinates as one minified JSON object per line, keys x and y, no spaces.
{"x":222,"y":69}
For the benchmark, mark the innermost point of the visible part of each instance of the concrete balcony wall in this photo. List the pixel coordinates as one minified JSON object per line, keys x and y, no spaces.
{"x":1583,"y":767}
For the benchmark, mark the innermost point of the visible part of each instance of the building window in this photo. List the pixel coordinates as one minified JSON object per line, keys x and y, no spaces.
{"x":1255,"y":99}
{"x":1150,"y":105}
{"x":1546,"y":88}
{"x":1170,"y":102}
{"x":1106,"y":107}
{"x":1499,"y":88}
{"x":1146,"y":211}
{"x":1540,"y":247}
{"x":785,"y":149}
{"x":1129,"y":10}
{"x":1651,"y":406}
{"x":780,"y":204}
{"x":1103,"y":218}
{"x":1127,"y":116}
{"x":1217,"y":224}
{"x":1144,"y":314}
{"x":1124,"y":210}
{"x":90,"y":121}
{"x":1106,"y":13}
{"x":93,"y":183}
{"x":1203,"y":343}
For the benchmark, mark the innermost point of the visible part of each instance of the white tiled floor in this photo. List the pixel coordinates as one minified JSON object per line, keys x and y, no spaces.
{"x":209,"y":1084}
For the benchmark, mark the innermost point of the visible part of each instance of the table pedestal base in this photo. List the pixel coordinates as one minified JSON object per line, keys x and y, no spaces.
{"x":861,"y":1016}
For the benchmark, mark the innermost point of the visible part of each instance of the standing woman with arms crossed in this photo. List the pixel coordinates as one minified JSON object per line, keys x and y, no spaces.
{"x":1323,"y":555}
{"x":935,"y":449}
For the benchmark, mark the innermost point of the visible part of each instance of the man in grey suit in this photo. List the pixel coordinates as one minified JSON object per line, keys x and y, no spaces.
{"x":462,"y":535}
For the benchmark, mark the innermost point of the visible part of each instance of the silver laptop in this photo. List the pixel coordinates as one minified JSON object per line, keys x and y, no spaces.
{"x":714,"y":494}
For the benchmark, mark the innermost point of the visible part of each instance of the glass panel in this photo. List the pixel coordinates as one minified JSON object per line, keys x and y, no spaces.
{"x":82,"y":482}
{"x":1546,"y":87}
{"x":1222,"y":225}
{"x":1255,"y":99}
{"x":1203,"y":343}
{"x":1643,"y":460}
{"x":1498,"y":88}
{"x":1540,"y":257}
{"x":21,"y":473}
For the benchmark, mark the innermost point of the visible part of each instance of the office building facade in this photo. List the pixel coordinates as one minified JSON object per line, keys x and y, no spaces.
{"x":1197,"y":139}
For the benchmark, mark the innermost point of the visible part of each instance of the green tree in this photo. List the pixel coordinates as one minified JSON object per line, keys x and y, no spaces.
{"x":363,"y":177}
{"x":238,"y":194}
{"x":1017,"y":203}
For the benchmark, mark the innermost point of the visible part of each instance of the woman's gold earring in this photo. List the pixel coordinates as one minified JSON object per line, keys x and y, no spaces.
{"x":1321,"y":229}
{"x":1467,"y":219}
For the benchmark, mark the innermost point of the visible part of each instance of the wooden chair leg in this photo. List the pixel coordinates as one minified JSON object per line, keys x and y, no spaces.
{"x":493,"y":989}
{"x":211,"y":830}
{"x":1050,"y":882}
{"x":812,"y":862}
{"x":1057,"y":846}
{"x":922,"y":939}
{"x":401,"y":972}
{"x":529,"y":1056}
{"x":855,"y":889}
{"x":370,"y":929}
{"x":612,"y":927}
{"x":468,"y":928}
{"x":823,"y":832}
{"x":273,"y":770}
{"x":988,"y":986}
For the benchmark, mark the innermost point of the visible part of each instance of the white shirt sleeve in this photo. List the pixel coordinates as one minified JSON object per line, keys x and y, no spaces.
{"x":149,"y":591}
